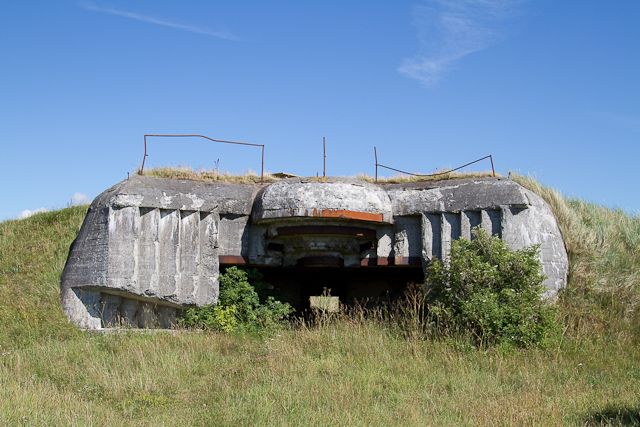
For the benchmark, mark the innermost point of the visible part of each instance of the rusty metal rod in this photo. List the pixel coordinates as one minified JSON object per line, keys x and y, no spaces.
{"x":262,"y":165}
{"x":375,"y":154}
{"x":434,"y":174}
{"x":190,"y":135}
{"x":324,"y":158}
{"x":493,"y":170}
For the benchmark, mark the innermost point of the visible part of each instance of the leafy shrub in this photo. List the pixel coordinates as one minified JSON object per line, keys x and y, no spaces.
{"x":239,"y":305}
{"x":211,"y":317}
{"x":491,"y":292}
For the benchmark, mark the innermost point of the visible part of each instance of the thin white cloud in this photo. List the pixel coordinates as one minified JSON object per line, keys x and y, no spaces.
{"x":151,"y":20}
{"x":449,"y":30}
{"x":27,"y":213}
{"x":79,"y":199}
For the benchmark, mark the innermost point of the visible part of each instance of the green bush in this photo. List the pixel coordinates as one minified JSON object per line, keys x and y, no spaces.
{"x":490,"y":292}
{"x":239,"y":305}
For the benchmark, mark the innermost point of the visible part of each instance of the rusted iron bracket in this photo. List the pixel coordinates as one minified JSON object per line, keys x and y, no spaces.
{"x":377,"y":165}
{"x":189,"y":135}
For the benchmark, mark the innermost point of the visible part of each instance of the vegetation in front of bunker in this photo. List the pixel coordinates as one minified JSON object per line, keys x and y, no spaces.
{"x":242,"y":305}
{"x":484,"y":295}
{"x":491,"y":294}
{"x":484,"y":292}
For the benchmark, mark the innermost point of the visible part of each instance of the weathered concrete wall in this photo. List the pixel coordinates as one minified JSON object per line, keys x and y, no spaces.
{"x":147,"y":247}
{"x":450,"y":209}
{"x":310,"y":197}
{"x":150,"y":246}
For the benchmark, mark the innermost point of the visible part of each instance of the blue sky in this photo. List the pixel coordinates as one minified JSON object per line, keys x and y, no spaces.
{"x":549,"y":88}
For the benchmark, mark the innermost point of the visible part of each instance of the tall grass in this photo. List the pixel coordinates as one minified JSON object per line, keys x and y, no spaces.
{"x":341,"y":370}
{"x":604,"y":261}
{"x":343,"y":373}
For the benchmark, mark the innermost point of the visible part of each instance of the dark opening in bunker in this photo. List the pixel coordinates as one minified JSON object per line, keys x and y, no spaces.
{"x":370,"y":286}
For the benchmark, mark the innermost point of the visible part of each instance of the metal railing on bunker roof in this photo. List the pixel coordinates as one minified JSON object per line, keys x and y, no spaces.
{"x":375,"y":153}
{"x":192,"y":135}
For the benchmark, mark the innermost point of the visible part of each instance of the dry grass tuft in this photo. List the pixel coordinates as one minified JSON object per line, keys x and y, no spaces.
{"x":208,"y":175}
{"x":253,"y":178}
{"x":398,"y":179}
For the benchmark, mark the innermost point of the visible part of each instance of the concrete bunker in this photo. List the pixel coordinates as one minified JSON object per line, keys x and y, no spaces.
{"x":150,"y":247}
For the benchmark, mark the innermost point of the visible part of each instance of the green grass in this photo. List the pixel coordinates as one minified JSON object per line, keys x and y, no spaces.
{"x":345,"y":372}
{"x":32,"y":255}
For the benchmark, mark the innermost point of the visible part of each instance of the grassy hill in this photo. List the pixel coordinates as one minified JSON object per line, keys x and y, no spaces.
{"x":351,"y":372}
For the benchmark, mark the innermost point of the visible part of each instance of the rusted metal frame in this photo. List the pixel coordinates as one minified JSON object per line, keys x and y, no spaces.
{"x":434,"y":174}
{"x":232,"y":260}
{"x":347,"y":214}
{"x":365,"y":262}
{"x":391,"y":262}
{"x":189,"y":135}
{"x":334,"y":230}
{"x":490,"y":157}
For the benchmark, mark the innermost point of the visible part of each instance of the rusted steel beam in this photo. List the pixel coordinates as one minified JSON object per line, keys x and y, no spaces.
{"x":346,"y":214}
{"x":335,"y":230}
{"x":232,"y":260}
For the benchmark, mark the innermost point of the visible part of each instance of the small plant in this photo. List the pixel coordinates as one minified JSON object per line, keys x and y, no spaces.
{"x":211,"y":317}
{"x":239,"y":305}
{"x":410,"y":312}
{"x":490,"y":292}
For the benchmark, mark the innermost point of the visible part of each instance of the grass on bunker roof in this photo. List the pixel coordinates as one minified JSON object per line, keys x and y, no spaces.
{"x":253,"y":178}
{"x":341,"y":373}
